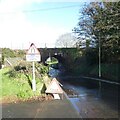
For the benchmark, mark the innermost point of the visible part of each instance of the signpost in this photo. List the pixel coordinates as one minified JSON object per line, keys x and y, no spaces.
{"x":55,"y":89}
{"x":33,"y":55}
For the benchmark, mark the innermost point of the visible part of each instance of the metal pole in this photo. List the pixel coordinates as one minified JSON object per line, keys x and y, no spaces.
{"x":33,"y":81}
{"x":99,"y":66}
{"x":99,"y":56}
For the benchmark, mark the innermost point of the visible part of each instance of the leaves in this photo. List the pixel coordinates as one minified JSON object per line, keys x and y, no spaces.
{"x":100,"y":21}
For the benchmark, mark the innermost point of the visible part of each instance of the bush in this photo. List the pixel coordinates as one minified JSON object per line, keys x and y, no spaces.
{"x":41,"y":68}
{"x":20,"y":78}
{"x":24,"y":94}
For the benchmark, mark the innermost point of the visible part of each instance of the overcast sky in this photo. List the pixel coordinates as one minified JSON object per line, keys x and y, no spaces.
{"x":25,"y":21}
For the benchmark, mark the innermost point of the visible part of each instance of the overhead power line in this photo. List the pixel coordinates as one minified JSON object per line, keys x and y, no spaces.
{"x":40,"y":10}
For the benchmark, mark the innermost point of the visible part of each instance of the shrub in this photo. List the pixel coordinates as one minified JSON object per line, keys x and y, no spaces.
{"x":41,"y":68}
{"x":24,"y":94}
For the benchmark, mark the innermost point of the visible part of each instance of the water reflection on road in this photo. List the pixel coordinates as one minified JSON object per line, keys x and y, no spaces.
{"x":53,"y":72}
{"x":88,"y":102}
{"x":86,"y":99}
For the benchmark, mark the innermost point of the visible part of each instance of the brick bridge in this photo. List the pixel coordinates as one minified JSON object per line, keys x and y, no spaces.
{"x":60,"y":53}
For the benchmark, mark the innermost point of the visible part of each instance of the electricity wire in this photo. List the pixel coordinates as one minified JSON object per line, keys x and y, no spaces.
{"x":40,"y":10}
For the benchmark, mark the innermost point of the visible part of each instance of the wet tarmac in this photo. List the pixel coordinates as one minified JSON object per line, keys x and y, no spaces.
{"x":88,"y":100}
{"x":40,"y":109}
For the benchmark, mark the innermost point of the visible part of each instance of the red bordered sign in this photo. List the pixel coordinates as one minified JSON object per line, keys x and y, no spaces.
{"x":33,"y":53}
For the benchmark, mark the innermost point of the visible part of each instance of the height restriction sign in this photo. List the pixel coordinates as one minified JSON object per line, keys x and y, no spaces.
{"x":33,"y":54}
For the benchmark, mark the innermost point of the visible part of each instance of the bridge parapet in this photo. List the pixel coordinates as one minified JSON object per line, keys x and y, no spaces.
{"x":62,"y":54}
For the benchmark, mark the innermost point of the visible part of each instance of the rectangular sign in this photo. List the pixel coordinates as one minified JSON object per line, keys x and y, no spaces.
{"x":33,"y":57}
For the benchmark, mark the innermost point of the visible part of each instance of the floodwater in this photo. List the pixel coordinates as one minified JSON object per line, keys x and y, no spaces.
{"x":89,"y":102}
{"x":87,"y":99}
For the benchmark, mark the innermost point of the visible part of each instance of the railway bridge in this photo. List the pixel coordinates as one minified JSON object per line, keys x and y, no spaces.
{"x":62,"y":54}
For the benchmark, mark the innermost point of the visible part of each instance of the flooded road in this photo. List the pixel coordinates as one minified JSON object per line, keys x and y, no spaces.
{"x":87,"y":99}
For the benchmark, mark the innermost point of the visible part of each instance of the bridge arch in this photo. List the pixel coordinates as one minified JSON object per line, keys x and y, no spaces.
{"x":60,"y":58}
{"x":62,"y":54}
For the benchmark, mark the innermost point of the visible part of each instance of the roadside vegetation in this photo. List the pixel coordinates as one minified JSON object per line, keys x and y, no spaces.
{"x":7,"y":52}
{"x":108,"y":71}
{"x":83,"y":62}
{"x":17,"y":82}
{"x":98,"y":37}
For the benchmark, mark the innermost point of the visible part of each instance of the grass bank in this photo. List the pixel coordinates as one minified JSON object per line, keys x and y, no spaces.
{"x":108,"y":71}
{"x":17,"y":82}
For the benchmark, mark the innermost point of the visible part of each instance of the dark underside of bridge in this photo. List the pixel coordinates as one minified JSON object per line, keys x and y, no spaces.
{"x":58,"y":53}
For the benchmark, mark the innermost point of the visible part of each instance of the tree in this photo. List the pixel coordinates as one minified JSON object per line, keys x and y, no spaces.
{"x":66,"y":40}
{"x":8,"y":52}
{"x":101,"y":23}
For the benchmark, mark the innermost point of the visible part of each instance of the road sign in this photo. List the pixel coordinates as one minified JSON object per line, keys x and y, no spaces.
{"x":54,"y":87}
{"x":33,"y":54}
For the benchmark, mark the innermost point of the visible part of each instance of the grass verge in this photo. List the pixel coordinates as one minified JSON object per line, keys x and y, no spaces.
{"x":108,"y":71}
{"x":17,"y":83}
